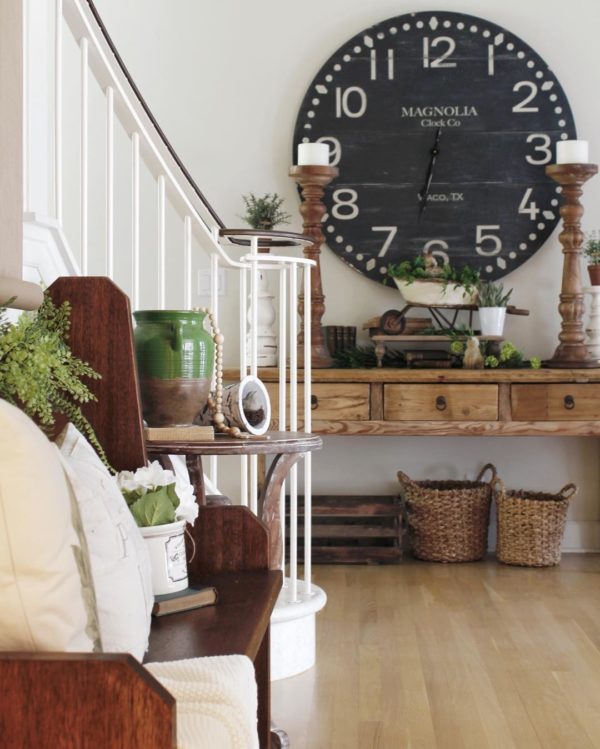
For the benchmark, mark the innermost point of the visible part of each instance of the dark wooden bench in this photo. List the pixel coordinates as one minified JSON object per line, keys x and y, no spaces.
{"x":87,"y":700}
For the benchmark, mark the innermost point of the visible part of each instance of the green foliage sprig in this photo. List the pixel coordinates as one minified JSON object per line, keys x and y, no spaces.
{"x":264,"y":213}
{"x":38,"y":372}
{"x":416,"y":270}
{"x":493,"y":295}
{"x":363,"y":357}
{"x":591,"y":249}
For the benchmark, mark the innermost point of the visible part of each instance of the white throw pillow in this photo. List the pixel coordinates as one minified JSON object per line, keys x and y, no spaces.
{"x":118,"y":554}
{"x":42,"y":566}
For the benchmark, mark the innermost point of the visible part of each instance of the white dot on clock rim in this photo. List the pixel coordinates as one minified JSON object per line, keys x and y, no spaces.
{"x":473,"y":29}
{"x":360,"y":256}
{"x":539,"y":74}
{"x":532,"y":237}
{"x":419,"y":24}
{"x":512,"y":255}
{"x":349,"y":248}
{"x":530,"y":64}
{"x":562,"y":123}
{"x":564,"y":136}
{"x":553,"y":97}
{"x":337,"y":66}
{"x":307,"y":126}
{"x":357,"y":49}
{"x":306,"y":139}
{"x":522,"y":246}
{"x":329,"y":78}
{"x":488,"y":268}
{"x":460,"y":25}
{"x":541,"y":226}
{"x":331,"y":229}
{"x":393,"y":30}
{"x":315,"y":102}
{"x":406,"y":26}
{"x":339,"y":239}
{"x":520,"y":54}
{"x":486,"y":33}
{"x":447,"y":24}
{"x":383,"y":269}
{"x":381,"y":35}
{"x":557,"y":110}
{"x":510,"y":46}
{"x":554,"y":202}
{"x":310,"y":113}
{"x":558,"y":189}
{"x":347,"y":58}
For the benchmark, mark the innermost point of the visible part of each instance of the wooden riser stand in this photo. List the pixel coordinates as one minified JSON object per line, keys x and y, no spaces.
{"x":352,"y":529}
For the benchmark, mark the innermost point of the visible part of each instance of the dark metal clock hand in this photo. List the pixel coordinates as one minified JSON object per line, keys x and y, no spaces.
{"x":425,"y":191}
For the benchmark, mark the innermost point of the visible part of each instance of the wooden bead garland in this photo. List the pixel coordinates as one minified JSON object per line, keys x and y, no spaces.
{"x":216,"y":404}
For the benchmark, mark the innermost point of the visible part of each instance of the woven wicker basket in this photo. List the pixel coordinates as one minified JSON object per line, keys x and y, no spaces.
{"x":448,"y":520}
{"x":531,"y":526}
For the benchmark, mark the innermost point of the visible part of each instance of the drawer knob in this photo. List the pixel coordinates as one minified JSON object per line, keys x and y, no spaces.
{"x":314,"y":402}
{"x":440,"y":403}
{"x":569,"y":402}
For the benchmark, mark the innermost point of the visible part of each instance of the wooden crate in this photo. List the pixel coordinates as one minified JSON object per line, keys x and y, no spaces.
{"x":351,"y":529}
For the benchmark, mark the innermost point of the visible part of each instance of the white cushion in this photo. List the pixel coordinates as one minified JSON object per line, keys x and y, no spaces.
{"x":216,"y":701}
{"x":42,"y":566}
{"x":118,"y":554}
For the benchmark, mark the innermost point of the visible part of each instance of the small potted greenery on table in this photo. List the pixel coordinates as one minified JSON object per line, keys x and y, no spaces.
{"x":493,"y":301}
{"x":591,"y":250}
{"x":264,"y":214}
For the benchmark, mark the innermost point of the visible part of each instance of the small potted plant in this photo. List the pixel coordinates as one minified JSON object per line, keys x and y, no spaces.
{"x":591,"y":250}
{"x":424,"y":281}
{"x":161,"y":506}
{"x":264,"y":214}
{"x":493,"y":301}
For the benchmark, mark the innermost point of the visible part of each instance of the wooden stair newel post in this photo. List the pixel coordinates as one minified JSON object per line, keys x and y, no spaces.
{"x":572,"y":350}
{"x":312,"y":181}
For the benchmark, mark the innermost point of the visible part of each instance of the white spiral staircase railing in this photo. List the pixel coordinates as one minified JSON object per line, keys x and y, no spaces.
{"x":108,"y":183}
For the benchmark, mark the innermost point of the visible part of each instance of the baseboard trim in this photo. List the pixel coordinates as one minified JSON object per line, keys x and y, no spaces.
{"x":582,"y":536}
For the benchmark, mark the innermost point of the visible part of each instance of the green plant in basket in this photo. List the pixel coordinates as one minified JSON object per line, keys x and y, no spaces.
{"x":422,"y":269}
{"x":493,"y":295}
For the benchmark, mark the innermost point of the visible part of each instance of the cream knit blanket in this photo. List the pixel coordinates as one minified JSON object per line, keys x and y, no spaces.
{"x":216,"y":701}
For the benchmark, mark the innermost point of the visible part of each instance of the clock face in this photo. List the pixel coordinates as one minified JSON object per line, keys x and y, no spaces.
{"x":441,"y":125}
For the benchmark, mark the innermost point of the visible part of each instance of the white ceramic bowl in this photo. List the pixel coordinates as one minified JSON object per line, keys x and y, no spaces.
{"x":434,"y":292}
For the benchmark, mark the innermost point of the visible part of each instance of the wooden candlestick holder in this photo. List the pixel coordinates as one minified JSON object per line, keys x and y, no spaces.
{"x":312,"y":181}
{"x":572,"y":351}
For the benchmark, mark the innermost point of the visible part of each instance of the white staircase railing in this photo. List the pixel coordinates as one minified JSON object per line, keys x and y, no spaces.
{"x":128,"y":209}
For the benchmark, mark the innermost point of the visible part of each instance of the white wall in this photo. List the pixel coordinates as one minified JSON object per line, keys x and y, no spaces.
{"x":226,"y":80}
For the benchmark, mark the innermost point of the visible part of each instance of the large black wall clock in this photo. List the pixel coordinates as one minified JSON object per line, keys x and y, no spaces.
{"x":417,"y":84}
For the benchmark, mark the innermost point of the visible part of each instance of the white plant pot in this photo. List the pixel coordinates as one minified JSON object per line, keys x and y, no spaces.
{"x":491,"y":320}
{"x":434,"y":292}
{"x":166,"y":547}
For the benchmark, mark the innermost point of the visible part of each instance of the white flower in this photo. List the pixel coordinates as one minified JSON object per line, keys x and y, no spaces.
{"x":126,"y":481}
{"x":153,"y":475}
{"x":188,"y":508}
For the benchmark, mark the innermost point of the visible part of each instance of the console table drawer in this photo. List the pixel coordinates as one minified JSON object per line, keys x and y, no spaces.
{"x":440,"y":402}
{"x":330,"y":402}
{"x":555,"y":402}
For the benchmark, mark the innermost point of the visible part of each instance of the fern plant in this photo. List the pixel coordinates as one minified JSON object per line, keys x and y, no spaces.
{"x":265,"y":213}
{"x":38,"y":372}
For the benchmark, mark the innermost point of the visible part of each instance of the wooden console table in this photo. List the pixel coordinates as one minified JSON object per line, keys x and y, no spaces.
{"x":506,"y":402}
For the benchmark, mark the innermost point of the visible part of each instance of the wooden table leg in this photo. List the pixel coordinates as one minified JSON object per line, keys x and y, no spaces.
{"x":269,"y":501}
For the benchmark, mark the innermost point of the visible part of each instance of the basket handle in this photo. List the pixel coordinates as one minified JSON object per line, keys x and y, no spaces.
{"x":497,"y":485}
{"x":403,"y":478}
{"x":488,"y":467}
{"x":568,"y":491}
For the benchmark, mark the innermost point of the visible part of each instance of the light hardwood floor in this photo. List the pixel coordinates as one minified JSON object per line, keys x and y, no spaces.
{"x":451,"y":656}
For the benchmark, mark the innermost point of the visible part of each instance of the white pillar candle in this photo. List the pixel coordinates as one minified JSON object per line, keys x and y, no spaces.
{"x":313,"y":154}
{"x":572,"y":152}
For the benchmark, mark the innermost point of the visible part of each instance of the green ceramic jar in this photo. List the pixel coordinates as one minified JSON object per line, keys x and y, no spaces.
{"x":175,"y":359}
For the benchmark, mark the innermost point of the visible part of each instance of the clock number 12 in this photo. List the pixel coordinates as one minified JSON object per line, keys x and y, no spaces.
{"x":438,"y":62}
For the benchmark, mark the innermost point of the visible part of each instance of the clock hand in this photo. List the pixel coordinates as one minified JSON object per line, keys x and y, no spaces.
{"x":425,"y":191}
